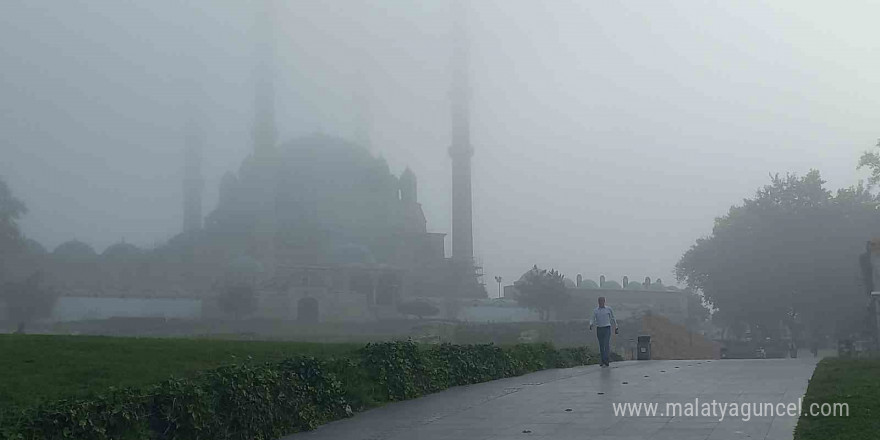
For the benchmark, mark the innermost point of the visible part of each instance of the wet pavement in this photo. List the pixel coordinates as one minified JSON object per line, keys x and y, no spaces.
{"x":576,"y":403}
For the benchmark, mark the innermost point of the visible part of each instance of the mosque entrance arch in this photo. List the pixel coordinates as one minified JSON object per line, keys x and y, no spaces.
{"x":307,"y":310}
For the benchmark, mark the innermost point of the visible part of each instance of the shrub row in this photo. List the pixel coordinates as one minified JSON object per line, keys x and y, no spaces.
{"x":270,"y":400}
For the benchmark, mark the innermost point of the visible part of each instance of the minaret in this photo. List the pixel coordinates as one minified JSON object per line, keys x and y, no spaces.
{"x":362,"y":105}
{"x":265,"y":139}
{"x":193,"y":183}
{"x":265,"y":132}
{"x":461,"y":149}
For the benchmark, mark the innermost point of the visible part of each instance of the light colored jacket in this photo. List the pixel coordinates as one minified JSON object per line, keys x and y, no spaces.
{"x":603,"y":317}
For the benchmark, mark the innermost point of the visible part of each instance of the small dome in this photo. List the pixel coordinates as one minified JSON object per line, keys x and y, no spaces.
{"x":569,"y":283}
{"x":612,"y":285}
{"x":634,"y":285}
{"x":589,"y":284}
{"x":657,"y":286}
{"x":528,"y":272}
{"x":74,"y":249}
{"x":121,"y":250}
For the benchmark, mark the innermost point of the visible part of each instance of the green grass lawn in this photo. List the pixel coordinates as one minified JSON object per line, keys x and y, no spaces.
{"x":852,"y":381}
{"x":36,"y":367}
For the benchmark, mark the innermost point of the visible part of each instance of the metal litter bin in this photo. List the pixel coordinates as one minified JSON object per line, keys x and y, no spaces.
{"x":644,"y":348}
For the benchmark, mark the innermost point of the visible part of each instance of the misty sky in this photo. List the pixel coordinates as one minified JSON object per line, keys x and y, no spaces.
{"x":608,"y":135}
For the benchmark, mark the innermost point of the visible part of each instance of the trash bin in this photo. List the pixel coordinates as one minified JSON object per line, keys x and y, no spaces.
{"x":644,"y":348}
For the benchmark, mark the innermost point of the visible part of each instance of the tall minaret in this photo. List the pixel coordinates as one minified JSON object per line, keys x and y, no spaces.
{"x":461,"y":149}
{"x":193,"y":183}
{"x":265,"y":132}
{"x":265,"y":140}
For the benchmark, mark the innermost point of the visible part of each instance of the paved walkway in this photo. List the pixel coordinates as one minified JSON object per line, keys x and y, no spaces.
{"x":576,"y":403}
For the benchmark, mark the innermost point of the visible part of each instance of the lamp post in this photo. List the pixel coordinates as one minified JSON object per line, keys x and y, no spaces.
{"x":498,"y":279}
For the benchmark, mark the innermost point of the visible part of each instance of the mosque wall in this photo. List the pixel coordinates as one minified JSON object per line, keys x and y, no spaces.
{"x":72,"y":308}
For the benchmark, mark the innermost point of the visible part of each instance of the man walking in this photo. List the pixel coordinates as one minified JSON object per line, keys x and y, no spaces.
{"x":603,"y":318}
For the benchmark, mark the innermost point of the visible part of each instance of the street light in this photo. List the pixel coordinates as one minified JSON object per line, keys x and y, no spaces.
{"x":498,"y":279}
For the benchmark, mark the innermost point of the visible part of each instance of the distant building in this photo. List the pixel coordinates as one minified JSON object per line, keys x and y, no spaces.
{"x":630,"y":301}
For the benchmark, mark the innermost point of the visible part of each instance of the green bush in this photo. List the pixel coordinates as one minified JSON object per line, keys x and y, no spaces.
{"x":273,"y":399}
{"x":118,"y":414}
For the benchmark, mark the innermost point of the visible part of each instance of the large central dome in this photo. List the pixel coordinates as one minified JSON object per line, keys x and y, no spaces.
{"x":312,"y":196}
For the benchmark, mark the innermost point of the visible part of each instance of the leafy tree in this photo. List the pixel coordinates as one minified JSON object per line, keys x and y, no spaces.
{"x":237,"y":300}
{"x":419,"y":308}
{"x":871,"y":160}
{"x":29,"y":300}
{"x":697,"y":312}
{"x":791,"y":250}
{"x":11,"y":209}
{"x":11,"y":242}
{"x":542,"y":290}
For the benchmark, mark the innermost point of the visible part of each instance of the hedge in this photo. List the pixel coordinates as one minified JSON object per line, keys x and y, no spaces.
{"x":270,"y":400}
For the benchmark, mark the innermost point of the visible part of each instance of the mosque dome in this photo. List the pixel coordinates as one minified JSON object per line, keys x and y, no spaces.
{"x":528,"y":272}
{"x":589,"y":284}
{"x":657,"y":286}
{"x":569,"y":283}
{"x":612,"y":285}
{"x":74,"y":249}
{"x":121,"y":250}
{"x":323,"y":188}
{"x":634,"y":285}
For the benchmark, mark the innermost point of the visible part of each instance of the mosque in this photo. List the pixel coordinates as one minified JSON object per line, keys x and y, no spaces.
{"x":319,"y":226}
{"x":330,"y":229}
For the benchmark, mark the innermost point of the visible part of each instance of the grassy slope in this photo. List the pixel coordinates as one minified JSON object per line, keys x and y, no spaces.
{"x":35,"y":368}
{"x":852,"y":381}
{"x":673,"y":341}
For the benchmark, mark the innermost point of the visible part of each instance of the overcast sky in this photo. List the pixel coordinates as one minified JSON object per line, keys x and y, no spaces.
{"x":608,"y":135}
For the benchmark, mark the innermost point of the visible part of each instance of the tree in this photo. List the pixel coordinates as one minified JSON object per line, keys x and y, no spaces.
{"x":29,"y":300}
{"x":793,"y":246}
{"x":11,"y":209}
{"x":542,"y":290}
{"x":418,"y":308}
{"x":11,"y":242}
{"x":871,"y":160}
{"x":697,"y":312}
{"x":237,"y":300}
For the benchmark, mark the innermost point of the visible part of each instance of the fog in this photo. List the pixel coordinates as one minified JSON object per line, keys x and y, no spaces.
{"x":607,"y":135}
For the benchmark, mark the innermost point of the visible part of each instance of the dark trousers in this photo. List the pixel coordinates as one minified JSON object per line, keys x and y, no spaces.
{"x":604,"y":335}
